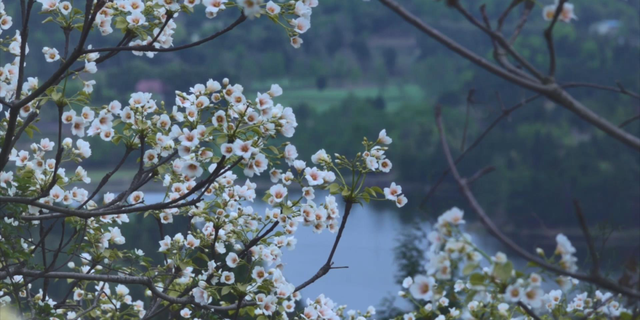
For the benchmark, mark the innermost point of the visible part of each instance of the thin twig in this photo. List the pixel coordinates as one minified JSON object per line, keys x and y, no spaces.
{"x":628,"y":121}
{"x":482,"y":172}
{"x":466,"y":118}
{"x":619,"y":89}
{"x":528,"y":6}
{"x":587,"y":235}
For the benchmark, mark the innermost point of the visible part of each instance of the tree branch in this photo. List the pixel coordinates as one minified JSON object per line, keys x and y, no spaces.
{"x":151,"y":48}
{"x":548,"y":35}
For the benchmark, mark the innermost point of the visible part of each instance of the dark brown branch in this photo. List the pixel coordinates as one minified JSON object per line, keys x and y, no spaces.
{"x":14,"y":109}
{"x":176,"y":203}
{"x":77,"y":52}
{"x":500,"y":40}
{"x":528,"y":311}
{"x":257,"y":239}
{"x":528,"y":6}
{"x":54,"y":174}
{"x":24,"y":36}
{"x":108,"y":176}
{"x":327,"y":266}
{"x":151,"y":48}
{"x":548,"y":35}
{"x":505,"y":14}
{"x":459,"y":49}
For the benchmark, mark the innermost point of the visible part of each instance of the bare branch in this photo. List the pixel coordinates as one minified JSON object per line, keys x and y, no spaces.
{"x":506,"y":12}
{"x":551,"y":91}
{"x":500,"y":40}
{"x":459,"y":49}
{"x":528,"y":6}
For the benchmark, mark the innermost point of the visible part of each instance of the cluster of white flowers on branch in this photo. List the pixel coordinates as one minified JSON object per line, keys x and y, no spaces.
{"x":229,"y":257}
{"x":462,"y":281}
{"x":216,"y":127}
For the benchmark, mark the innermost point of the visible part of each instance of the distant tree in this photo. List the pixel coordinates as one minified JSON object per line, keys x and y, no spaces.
{"x":321,"y":82}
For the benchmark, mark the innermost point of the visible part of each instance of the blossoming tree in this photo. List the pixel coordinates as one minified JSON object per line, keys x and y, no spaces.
{"x":227,"y":261}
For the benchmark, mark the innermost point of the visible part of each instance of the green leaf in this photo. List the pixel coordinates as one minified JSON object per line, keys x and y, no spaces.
{"x":377,"y":189}
{"x":225,"y":290}
{"x":477,"y":279}
{"x":202,"y":256}
{"x":503,"y":271}
{"x":34,"y":128}
{"x":365,"y":197}
{"x":56,"y":96}
{"x":274,"y":150}
{"x":470,"y":267}
{"x":221,"y":139}
{"x":121,"y":23}
{"x":334,"y":188}
{"x":625,"y":316}
{"x":369,"y":190}
{"x":29,"y":132}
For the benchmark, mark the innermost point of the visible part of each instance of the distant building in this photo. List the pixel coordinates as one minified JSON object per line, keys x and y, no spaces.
{"x":155,"y":86}
{"x":606,"y":27}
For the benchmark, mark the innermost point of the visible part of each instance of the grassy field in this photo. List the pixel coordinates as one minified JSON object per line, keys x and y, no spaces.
{"x":321,"y":100}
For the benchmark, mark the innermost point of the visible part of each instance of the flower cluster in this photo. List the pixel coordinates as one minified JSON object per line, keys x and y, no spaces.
{"x":323,"y":308}
{"x":148,"y":19}
{"x":463,"y":282}
{"x":5,"y":20}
